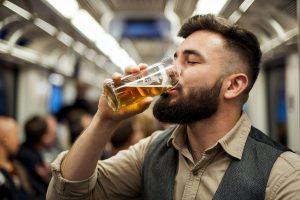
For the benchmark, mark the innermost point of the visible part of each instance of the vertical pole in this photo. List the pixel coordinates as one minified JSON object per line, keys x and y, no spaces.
{"x":293,"y":93}
{"x":298,"y":41}
{"x":298,"y":81}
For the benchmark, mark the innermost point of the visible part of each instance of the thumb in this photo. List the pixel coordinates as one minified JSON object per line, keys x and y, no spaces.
{"x":147,"y":100}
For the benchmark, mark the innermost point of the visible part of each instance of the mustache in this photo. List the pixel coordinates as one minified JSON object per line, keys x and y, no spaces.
{"x":178,"y":88}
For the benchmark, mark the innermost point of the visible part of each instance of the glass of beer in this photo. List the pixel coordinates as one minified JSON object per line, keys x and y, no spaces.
{"x":152,"y":81}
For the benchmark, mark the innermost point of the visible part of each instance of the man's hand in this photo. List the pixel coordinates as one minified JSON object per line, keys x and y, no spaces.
{"x":107,"y":113}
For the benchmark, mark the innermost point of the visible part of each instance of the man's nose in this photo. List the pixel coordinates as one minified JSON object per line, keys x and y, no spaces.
{"x":178,"y":67}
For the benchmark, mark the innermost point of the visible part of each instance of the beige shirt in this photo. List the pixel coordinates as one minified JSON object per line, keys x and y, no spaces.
{"x":120,"y":176}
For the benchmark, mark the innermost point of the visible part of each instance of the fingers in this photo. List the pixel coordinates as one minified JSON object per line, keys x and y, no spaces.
{"x":135,"y":69}
{"x":146,"y":103}
{"x":130,"y":110}
{"x":116,"y":76}
{"x":142,"y":66}
{"x":129,"y":70}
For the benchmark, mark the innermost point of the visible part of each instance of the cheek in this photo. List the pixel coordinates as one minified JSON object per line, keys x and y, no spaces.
{"x":192,"y":77}
{"x":14,"y":145}
{"x":203,"y":75}
{"x":191,"y":81}
{"x":50,"y":138}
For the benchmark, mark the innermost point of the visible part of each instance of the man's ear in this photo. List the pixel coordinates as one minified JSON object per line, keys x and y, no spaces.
{"x":235,"y":85}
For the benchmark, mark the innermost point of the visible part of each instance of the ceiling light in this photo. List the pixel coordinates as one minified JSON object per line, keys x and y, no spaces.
{"x":209,"y":6}
{"x":245,"y":5}
{"x":90,"y":28}
{"x":235,"y":16}
{"x":65,"y":7}
{"x":86,"y":24}
{"x":79,"y":47}
{"x":20,"y":11}
{"x":65,"y":38}
{"x":48,"y":28}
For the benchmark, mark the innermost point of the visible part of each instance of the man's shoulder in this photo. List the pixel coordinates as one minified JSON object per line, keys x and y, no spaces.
{"x":290,"y":160}
{"x":284,"y":179}
{"x":286,"y":165}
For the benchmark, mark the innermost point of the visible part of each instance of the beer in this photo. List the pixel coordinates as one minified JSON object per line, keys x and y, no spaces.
{"x":131,"y":89}
{"x":126,"y":96}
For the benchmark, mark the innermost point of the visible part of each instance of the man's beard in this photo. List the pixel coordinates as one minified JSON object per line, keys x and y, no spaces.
{"x":199,"y":103}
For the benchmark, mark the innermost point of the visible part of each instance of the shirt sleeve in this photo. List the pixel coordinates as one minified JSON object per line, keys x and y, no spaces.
{"x":61,"y":188}
{"x":118,"y":177}
{"x":284,"y":180}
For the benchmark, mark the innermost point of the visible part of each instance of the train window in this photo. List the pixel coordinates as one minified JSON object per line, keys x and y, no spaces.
{"x":56,"y":99}
{"x":56,"y":96}
{"x":145,"y":28}
{"x":3,"y":34}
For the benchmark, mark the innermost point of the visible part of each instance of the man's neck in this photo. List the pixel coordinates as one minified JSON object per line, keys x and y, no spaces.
{"x":206,"y":133}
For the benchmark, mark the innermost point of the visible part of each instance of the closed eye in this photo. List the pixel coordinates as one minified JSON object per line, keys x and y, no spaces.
{"x":192,"y":62}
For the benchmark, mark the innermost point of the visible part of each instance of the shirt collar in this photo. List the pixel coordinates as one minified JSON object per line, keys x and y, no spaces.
{"x":232,"y":143}
{"x":177,"y":139}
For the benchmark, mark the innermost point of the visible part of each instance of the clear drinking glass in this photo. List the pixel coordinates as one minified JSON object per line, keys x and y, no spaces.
{"x":152,"y":81}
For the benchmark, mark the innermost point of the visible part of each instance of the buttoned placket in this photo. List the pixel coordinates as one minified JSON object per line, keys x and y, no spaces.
{"x":196,"y":172}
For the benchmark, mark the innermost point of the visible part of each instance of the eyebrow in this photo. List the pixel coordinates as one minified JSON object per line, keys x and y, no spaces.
{"x":190,"y":52}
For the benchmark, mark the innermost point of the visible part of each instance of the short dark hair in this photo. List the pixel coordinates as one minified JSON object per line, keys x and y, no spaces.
{"x":35,"y":128}
{"x":241,"y":41}
{"x":123,"y":133}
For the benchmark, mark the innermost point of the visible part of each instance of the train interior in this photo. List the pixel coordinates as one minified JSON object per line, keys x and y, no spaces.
{"x":48,"y":46}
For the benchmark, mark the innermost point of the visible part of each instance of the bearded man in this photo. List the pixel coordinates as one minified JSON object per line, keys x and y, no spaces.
{"x":214,"y":152}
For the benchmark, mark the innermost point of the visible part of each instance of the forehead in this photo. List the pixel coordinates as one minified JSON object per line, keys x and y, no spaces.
{"x":203,"y":40}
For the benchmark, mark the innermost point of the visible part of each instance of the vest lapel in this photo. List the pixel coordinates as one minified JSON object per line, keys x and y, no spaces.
{"x":247,"y":178}
{"x":159,"y":169}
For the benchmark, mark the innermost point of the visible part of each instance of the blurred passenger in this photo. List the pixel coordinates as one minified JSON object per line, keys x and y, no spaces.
{"x":163,"y":125}
{"x":125,"y":136}
{"x":53,"y":147}
{"x":39,"y":137}
{"x":80,"y":103}
{"x":131,"y":131}
{"x":145,"y":123}
{"x":14,"y":183}
{"x":77,"y":121}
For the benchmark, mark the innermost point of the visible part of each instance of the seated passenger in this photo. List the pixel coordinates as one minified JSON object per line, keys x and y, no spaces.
{"x":38,"y":138}
{"x":125,"y":136}
{"x":145,"y":123}
{"x":14,"y":184}
{"x":53,"y":147}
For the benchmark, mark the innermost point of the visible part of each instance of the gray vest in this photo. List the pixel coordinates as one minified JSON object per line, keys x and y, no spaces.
{"x":244,"y":179}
